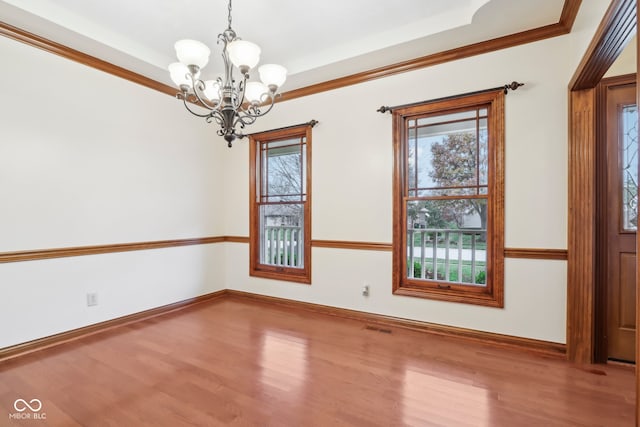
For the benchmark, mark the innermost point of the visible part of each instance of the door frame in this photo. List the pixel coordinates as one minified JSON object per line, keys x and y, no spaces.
{"x":615,"y":30}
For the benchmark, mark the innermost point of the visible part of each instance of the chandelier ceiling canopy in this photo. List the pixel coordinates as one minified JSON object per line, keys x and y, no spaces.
{"x":229,"y":103}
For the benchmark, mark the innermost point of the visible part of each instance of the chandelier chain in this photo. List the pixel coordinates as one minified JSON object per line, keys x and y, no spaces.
{"x":229,"y":18}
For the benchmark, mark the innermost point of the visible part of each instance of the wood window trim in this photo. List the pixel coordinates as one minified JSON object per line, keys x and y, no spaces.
{"x":256,"y":269}
{"x":493,"y":294}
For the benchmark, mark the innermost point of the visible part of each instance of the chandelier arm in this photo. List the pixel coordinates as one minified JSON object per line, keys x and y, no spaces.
{"x":245,"y":117}
{"x":198,"y":86}
{"x":186,"y":105}
{"x":244,"y":120}
{"x":273,"y":102}
{"x":258,"y":113}
{"x":205,"y":104}
{"x":215,"y":116}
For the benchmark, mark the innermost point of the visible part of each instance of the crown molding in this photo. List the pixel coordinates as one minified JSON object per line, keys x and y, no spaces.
{"x":562,"y":27}
{"x":548,"y":31}
{"x":50,"y":46}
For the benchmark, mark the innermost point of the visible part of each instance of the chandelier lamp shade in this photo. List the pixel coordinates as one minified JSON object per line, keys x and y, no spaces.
{"x":229,"y":103}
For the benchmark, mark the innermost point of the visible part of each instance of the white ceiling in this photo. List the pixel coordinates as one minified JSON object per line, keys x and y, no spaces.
{"x":316,"y":41}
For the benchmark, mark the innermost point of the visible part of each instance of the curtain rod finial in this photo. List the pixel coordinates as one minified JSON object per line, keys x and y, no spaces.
{"x":383,"y":109}
{"x":513,"y":86}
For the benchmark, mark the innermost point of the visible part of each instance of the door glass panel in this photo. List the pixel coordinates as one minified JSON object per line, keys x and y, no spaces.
{"x":629,"y":180}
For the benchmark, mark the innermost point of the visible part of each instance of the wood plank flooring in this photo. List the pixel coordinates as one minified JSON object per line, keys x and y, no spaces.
{"x":235,"y":362}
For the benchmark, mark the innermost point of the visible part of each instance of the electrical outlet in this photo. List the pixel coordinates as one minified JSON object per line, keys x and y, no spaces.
{"x":365,"y":290}
{"x":92,"y":299}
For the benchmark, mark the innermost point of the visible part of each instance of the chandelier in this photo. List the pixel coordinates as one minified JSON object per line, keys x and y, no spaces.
{"x":229,"y":103}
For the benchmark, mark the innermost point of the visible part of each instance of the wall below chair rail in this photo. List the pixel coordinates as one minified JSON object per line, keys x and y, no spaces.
{"x":42,"y":298}
{"x":534,"y":300}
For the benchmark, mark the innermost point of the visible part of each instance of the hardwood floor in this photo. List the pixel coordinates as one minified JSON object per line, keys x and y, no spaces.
{"x":237,"y":362}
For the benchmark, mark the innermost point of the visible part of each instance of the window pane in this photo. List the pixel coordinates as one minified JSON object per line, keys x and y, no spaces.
{"x":303,"y":168}
{"x":447,"y":155}
{"x":284,"y":142}
{"x":630,"y":168}
{"x":281,"y":235}
{"x":411,"y":158}
{"x":439,"y":192}
{"x":447,"y":240}
{"x":483,"y":147}
{"x":282,"y":173}
{"x":464,"y":115}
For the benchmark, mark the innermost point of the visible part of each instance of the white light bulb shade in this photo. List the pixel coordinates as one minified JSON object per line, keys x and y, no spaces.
{"x":255,"y":92}
{"x":192,"y":52}
{"x":243,"y":53}
{"x":273,"y":74}
{"x":180,"y":74}
{"x":212,"y":90}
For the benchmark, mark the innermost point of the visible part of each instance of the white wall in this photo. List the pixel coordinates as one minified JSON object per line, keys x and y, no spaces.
{"x":41,"y":298}
{"x":87,"y":158}
{"x":117,"y":162}
{"x":352,"y":177}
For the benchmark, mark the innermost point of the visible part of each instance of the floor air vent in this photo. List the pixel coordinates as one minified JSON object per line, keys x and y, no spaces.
{"x":377,"y":329}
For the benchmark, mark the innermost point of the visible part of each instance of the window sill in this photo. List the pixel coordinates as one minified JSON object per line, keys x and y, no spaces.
{"x":484,"y":299}
{"x":302,"y":277}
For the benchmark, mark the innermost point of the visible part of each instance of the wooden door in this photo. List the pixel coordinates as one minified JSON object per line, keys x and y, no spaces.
{"x":621,"y":221}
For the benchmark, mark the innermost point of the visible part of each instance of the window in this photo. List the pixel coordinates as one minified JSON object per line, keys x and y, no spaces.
{"x":280,"y":214}
{"x":449,"y":199}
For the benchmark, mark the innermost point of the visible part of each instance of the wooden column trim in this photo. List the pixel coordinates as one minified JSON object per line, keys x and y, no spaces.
{"x":581,"y":226}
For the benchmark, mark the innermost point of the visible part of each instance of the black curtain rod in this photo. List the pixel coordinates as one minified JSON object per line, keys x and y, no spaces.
{"x":512,"y":86}
{"x":311,"y":123}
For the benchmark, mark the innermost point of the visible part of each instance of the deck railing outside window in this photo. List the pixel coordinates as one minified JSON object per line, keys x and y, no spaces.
{"x":450,"y":255}
{"x":283,"y":246}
